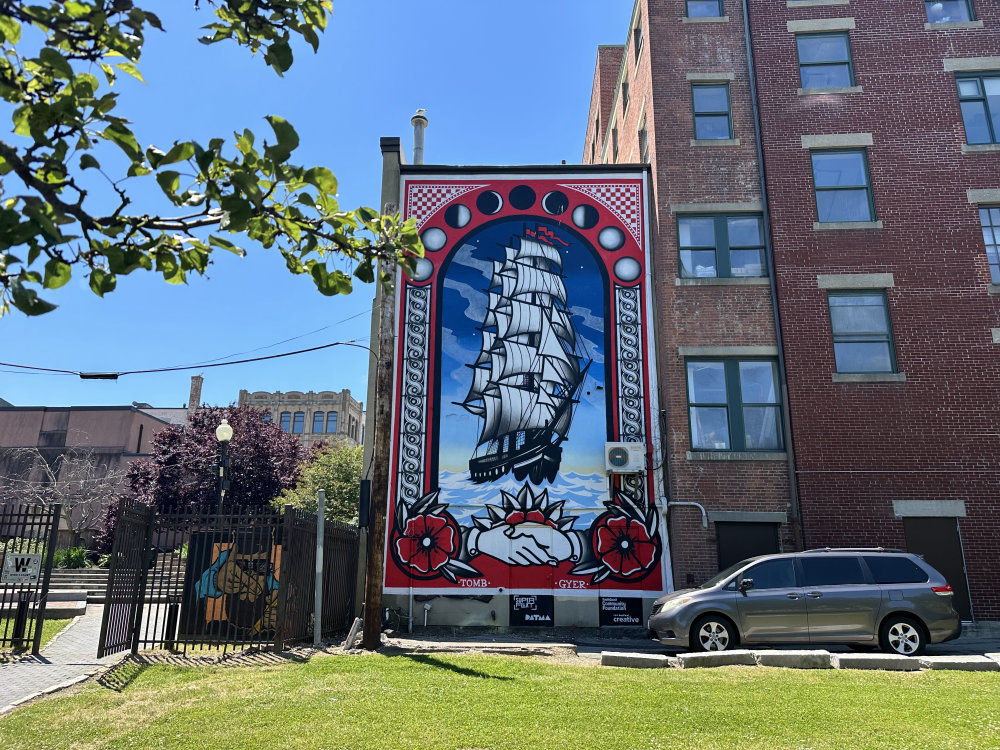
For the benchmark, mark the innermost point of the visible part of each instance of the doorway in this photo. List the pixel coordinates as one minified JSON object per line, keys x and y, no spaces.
{"x":738,"y":541}
{"x":938,"y":541}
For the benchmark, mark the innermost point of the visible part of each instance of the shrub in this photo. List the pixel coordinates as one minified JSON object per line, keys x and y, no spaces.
{"x":74,"y":557}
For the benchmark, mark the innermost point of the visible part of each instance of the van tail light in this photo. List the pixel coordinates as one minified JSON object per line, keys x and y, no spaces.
{"x":942,"y":590}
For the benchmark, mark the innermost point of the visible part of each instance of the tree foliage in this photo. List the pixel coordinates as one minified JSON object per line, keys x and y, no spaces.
{"x":183,"y":471}
{"x":71,"y":164}
{"x":337,"y":470}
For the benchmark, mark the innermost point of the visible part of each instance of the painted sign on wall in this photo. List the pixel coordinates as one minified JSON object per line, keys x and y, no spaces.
{"x":525,"y":344}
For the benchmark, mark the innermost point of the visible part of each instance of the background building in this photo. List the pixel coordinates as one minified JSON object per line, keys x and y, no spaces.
{"x":863,"y":141}
{"x":312,"y":417}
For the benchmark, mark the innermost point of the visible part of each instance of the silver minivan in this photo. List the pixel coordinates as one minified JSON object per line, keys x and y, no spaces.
{"x":863,"y":598}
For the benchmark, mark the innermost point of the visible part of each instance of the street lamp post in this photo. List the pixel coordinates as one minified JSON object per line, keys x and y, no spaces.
{"x":223,"y":433}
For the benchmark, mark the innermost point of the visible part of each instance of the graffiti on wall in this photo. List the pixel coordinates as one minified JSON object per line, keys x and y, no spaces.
{"x":231,"y":584}
{"x":524,"y":346}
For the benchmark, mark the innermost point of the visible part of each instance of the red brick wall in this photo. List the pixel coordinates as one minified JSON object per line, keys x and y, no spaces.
{"x":861,"y":446}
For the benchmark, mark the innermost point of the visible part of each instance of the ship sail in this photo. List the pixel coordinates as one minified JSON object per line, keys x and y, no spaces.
{"x":529,"y":370}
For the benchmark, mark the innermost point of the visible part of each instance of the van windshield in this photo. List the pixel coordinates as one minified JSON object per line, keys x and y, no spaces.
{"x":723,"y":575}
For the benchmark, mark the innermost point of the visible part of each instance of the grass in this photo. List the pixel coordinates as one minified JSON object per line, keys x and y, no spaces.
{"x":427,"y":702}
{"x":49,"y":630}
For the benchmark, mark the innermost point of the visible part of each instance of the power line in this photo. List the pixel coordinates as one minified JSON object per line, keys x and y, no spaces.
{"x":115,"y":375}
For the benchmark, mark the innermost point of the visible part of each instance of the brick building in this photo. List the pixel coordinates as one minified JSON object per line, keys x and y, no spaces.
{"x":312,"y":417}
{"x":845,"y":181}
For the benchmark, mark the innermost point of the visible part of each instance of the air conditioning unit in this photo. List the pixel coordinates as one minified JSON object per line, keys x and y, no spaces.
{"x":624,"y":458}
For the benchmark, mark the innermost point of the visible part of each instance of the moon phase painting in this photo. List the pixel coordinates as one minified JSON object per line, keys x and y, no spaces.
{"x":524,"y":346}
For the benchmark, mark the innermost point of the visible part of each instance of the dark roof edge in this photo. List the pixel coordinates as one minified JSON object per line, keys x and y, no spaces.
{"x":524,"y":168}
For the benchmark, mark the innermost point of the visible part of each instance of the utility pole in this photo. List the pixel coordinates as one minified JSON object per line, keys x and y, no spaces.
{"x":382,"y":407}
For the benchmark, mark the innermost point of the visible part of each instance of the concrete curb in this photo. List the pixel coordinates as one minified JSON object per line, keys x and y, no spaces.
{"x":972,"y":663}
{"x":794,"y":659}
{"x":884,"y":662}
{"x":736,"y":657}
{"x":636,"y":661}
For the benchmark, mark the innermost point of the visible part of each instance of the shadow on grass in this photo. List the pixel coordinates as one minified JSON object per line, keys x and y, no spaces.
{"x":432,"y":661}
{"x":122,"y":674}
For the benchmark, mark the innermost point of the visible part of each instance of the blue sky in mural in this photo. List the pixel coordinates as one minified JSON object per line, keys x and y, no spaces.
{"x":473,"y":65}
{"x":581,"y":482}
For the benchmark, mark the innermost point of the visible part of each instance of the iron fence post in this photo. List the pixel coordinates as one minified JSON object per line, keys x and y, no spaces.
{"x":288,"y":521}
{"x":50,"y":551}
{"x":136,"y":620}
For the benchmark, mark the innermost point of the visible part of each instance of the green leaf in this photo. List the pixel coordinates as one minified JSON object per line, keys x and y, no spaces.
{"x":27,"y":301}
{"x":131,"y":69}
{"x":322,"y":178}
{"x":56,"y":62}
{"x":225,"y":245}
{"x":10,"y":29}
{"x":124,"y":139}
{"x":279,"y":56}
{"x":169,"y":182}
{"x":238,"y":213}
{"x":57,"y":273}
{"x":102,"y":282}
{"x":288,"y":139}
{"x":178,"y":152}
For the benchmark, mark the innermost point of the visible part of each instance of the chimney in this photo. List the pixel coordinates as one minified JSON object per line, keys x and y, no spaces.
{"x":194,"y":400}
{"x":419,"y":122}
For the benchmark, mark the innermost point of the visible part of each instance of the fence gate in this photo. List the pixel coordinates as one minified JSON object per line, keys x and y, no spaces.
{"x":28,"y":535}
{"x":126,"y":580}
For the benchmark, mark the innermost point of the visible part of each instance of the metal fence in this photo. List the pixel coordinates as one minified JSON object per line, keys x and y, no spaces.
{"x":231,"y":581}
{"x":28,"y":534}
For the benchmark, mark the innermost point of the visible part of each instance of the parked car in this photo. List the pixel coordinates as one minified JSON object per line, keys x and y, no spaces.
{"x":864,"y":598}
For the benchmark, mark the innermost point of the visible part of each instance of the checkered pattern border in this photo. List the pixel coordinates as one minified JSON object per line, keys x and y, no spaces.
{"x":423,"y":200}
{"x":621,"y":199}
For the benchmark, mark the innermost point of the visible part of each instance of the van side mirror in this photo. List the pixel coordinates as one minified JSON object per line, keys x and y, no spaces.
{"x":745,"y":585}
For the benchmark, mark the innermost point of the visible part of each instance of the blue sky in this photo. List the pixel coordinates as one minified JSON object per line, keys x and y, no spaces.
{"x":502,"y":83}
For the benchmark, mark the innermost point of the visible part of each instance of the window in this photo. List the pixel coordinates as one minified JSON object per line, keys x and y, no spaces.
{"x":614,"y":143}
{"x":286,"y":421}
{"x":990,"y":218}
{"x":624,"y":93}
{"x":317,"y":422}
{"x":733,"y":405}
{"x":643,"y":136}
{"x":948,"y":11}
{"x":824,"y":60}
{"x":712,"y":119}
{"x":266,"y":418}
{"x":895,"y":570}
{"x":979,"y":98}
{"x":862,"y":337}
{"x":331,"y":422}
{"x":637,"y":38}
{"x":721,"y":246}
{"x":843,"y":191}
{"x":773,"y":574}
{"x":831,"y":571}
{"x":704,"y":8}
{"x":299,"y":422}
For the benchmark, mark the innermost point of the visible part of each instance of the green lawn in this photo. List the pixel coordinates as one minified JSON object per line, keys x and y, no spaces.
{"x":445,"y":701}
{"x":49,"y":629}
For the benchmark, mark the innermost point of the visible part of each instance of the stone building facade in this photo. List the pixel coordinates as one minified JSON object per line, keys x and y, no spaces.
{"x":312,"y":417}
{"x":831,"y":206}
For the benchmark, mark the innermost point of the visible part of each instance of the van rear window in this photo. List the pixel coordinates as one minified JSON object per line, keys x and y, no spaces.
{"x":895,"y":570}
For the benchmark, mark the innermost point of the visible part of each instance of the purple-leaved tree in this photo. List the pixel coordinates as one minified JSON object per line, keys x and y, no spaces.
{"x":182,"y":473}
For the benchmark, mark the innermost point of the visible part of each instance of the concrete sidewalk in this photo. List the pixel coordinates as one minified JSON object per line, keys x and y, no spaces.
{"x":69,"y":658}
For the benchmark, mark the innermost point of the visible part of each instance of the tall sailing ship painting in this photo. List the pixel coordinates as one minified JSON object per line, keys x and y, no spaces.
{"x":529,"y":371}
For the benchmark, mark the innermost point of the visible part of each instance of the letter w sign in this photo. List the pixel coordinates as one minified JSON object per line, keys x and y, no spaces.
{"x":21,"y":568}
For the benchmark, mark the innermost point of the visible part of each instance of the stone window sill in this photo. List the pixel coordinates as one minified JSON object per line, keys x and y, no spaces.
{"x":831,"y":90}
{"x":715,"y":141}
{"x":993,"y":290}
{"x":735,"y":281}
{"x":736,"y":456}
{"x":947,"y":26}
{"x":705,"y":19}
{"x":869,"y":377}
{"x":825,"y":226}
{"x":980,"y":148}
{"x":814,"y":3}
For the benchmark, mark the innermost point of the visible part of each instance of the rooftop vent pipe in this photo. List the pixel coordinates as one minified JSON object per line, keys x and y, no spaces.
{"x":419,"y":122}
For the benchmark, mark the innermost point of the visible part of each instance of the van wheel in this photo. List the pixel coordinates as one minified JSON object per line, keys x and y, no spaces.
{"x":713,"y":633}
{"x":902,"y":635}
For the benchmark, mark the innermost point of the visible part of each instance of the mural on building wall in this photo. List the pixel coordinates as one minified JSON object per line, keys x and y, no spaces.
{"x":524,"y":345}
{"x":231,"y":585}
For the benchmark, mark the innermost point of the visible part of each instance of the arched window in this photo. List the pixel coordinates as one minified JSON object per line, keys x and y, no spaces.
{"x":317,"y":421}
{"x":299,"y":423}
{"x":331,"y":422}
{"x":286,"y":421}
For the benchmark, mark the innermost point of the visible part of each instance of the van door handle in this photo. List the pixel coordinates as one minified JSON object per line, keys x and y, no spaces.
{"x":814,"y":594}
{"x":792,"y":596}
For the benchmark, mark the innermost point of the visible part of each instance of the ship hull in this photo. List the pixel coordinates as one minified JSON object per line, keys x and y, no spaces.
{"x":537,"y":463}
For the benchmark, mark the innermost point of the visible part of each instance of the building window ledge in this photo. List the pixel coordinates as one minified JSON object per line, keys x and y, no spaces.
{"x":831,"y":90}
{"x":869,"y":377}
{"x":736,"y":456}
{"x":993,"y":290}
{"x":706,"y":19}
{"x":715,"y":141}
{"x":995,"y":333}
{"x":948,"y":25}
{"x":814,"y":3}
{"x":980,"y":148}
{"x":825,"y":226}
{"x":734,"y":281}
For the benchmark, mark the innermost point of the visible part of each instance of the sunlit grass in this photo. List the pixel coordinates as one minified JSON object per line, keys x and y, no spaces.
{"x":49,"y":629}
{"x":425,"y":702}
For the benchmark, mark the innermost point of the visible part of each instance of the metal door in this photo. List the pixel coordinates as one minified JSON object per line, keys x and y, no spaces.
{"x":738,"y":541}
{"x":774,"y":609}
{"x":130,"y":559}
{"x":937,"y":540}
